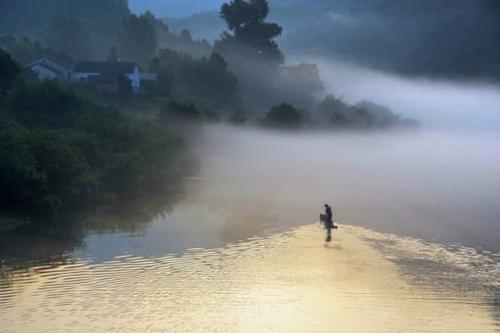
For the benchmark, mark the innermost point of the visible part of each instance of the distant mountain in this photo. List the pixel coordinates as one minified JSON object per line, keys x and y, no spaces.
{"x":27,"y":17}
{"x":447,"y":38}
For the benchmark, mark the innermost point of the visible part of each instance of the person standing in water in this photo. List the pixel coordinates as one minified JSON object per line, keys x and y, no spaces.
{"x":328,"y":222}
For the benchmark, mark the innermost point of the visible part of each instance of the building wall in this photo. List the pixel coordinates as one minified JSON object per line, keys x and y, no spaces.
{"x":78,"y":76}
{"x":134,"y":77}
{"x":45,"y":73}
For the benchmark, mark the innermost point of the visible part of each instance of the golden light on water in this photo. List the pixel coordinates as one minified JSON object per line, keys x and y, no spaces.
{"x":288,"y":282}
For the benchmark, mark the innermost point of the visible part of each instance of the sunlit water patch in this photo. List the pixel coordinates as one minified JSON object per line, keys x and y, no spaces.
{"x":284,"y":282}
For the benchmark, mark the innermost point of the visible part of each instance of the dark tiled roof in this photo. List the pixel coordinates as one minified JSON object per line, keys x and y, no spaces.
{"x":105,"y":67}
{"x":58,"y":58}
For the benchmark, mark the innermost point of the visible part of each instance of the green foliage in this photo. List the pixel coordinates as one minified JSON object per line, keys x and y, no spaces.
{"x":138,"y":40}
{"x":22,"y":50}
{"x":59,"y":151}
{"x":40,"y":171}
{"x":251,"y":50}
{"x":69,"y":35}
{"x":333,"y":112}
{"x":299,"y":85}
{"x":44,"y":105}
{"x":284,"y":116}
{"x":246,"y":20}
{"x":165,"y":79}
{"x":206,"y":81}
{"x":113,"y":55}
{"x":186,"y":112}
{"x":125,"y":90}
{"x":9,"y":70}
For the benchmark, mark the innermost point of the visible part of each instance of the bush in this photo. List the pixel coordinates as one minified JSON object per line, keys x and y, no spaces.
{"x":9,"y":70}
{"x":333,"y":112}
{"x":284,"y":116}
{"x":59,"y":152}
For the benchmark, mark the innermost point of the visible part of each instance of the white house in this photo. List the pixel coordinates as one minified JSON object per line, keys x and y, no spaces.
{"x":48,"y":68}
{"x":87,"y":71}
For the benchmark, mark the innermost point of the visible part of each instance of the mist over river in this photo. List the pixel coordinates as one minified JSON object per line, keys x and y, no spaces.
{"x":439,"y":185}
{"x":240,"y":249}
{"x":417,"y":247}
{"x":164,"y":165}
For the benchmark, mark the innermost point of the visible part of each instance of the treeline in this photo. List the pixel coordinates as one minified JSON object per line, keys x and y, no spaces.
{"x":60,"y":152}
{"x":334,"y":113}
{"x":241,"y":76}
{"x":86,"y":30}
{"x":206,"y":82}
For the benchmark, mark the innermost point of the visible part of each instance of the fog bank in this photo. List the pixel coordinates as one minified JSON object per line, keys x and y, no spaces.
{"x":437,"y":185}
{"x":436,"y":103}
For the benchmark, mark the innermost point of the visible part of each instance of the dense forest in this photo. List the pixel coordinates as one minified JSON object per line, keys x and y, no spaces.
{"x":66,"y":145}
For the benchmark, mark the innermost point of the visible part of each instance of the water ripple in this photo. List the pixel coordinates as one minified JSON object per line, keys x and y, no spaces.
{"x":287,"y":282}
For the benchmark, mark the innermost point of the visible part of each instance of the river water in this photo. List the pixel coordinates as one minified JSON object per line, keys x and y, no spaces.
{"x":417,"y":248}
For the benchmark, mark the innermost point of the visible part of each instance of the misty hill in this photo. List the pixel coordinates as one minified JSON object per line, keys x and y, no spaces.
{"x":98,"y":25}
{"x":449,"y":38}
{"x":28,"y":17}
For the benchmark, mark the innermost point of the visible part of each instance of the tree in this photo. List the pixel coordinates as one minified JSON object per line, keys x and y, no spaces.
{"x":138,"y":40}
{"x":43,"y":105}
{"x":113,"y":55}
{"x":155,"y":65}
{"x":22,"y":50}
{"x":69,"y":35}
{"x":246,"y":21}
{"x":284,"y":116}
{"x":125,"y":90}
{"x":300,"y":85}
{"x":9,"y":69}
{"x":334,"y":112}
{"x":182,"y":111}
{"x":165,"y":81}
{"x":206,"y":81}
{"x":186,"y":36}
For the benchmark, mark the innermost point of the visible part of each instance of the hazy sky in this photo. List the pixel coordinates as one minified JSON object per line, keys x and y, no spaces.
{"x":168,"y":8}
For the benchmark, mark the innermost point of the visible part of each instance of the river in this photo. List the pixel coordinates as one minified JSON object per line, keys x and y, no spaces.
{"x":417,"y":249}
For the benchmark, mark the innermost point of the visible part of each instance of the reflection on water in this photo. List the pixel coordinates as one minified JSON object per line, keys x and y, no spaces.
{"x":286,"y":282}
{"x":233,"y":254}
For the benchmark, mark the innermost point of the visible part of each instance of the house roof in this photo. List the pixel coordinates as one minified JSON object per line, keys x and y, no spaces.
{"x":46,"y":66}
{"x":105,"y":67}
{"x":58,"y":58}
